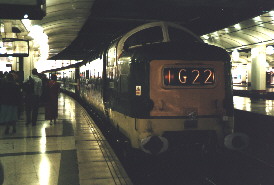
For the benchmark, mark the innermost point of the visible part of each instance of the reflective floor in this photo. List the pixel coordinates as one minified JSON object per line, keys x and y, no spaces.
{"x":261,"y":106}
{"x":71,"y":152}
{"x":74,"y":150}
{"x":268,"y":89}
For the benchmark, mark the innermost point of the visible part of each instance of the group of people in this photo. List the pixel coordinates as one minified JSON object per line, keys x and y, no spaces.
{"x":35,"y":91}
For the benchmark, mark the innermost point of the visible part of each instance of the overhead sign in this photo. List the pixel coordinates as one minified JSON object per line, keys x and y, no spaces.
{"x":19,"y":2}
{"x":14,"y":47}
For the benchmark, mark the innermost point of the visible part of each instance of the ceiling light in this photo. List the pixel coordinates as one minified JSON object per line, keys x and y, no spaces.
{"x":271,"y":13}
{"x":205,"y":37}
{"x":237,"y":26}
{"x":269,"y":50}
{"x":257,"y":19}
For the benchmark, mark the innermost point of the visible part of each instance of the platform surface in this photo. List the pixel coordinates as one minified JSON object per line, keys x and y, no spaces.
{"x":71,"y":152}
{"x":260,"y":106}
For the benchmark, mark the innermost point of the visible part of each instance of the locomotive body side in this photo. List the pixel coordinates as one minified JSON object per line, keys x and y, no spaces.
{"x":91,"y":84}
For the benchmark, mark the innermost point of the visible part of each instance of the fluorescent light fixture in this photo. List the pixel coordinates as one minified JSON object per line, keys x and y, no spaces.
{"x":271,"y":13}
{"x":205,"y":37}
{"x":257,"y":19}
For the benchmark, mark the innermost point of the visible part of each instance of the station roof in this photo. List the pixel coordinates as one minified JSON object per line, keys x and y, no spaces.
{"x":78,"y":29}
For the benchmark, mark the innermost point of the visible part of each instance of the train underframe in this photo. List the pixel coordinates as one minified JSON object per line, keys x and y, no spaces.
{"x":157,"y":135}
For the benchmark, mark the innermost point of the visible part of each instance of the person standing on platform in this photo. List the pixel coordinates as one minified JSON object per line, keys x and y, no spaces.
{"x":44,"y":95}
{"x":33,"y":90}
{"x":9,"y":101}
{"x":16,"y":75}
{"x":51,"y":107}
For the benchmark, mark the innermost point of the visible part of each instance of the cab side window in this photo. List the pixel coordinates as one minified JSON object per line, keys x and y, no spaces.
{"x":180,"y":35}
{"x":146,"y":36}
{"x":111,"y":56}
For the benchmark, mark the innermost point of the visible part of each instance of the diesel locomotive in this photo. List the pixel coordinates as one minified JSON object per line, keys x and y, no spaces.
{"x":160,"y":86}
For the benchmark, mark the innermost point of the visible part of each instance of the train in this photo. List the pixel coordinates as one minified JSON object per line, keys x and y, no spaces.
{"x":160,"y":86}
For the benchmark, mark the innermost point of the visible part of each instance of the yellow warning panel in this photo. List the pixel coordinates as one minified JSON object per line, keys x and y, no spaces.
{"x":138,"y":91}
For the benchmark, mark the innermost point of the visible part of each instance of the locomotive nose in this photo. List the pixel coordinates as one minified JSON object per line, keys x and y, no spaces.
{"x":154,"y":144}
{"x":236,"y":141}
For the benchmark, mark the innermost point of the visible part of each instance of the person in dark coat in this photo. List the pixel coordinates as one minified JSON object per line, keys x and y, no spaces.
{"x":16,"y":75}
{"x":51,"y":107}
{"x":10,"y":99}
{"x":32,"y":98}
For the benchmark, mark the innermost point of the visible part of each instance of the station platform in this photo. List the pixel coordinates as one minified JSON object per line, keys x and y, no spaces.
{"x":255,"y":105}
{"x":71,"y":152}
{"x":269,"y":88}
{"x":246,"y":91}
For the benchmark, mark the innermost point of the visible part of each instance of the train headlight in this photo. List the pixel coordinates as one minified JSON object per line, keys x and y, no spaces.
{"x":154,"y":144}
{"x":236,"y":141}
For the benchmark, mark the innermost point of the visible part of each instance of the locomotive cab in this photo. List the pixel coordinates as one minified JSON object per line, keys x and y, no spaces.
{"x":152,"y":33}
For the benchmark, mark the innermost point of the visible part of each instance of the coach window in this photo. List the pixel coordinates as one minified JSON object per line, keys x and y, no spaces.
{"x":87,"y":74}
{"x":180,"y":35}
{"x":146,"y":36}
{"x":111,"y":56}
{"x":124,"y":68}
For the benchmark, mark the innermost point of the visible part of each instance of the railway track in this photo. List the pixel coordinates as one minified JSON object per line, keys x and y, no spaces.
{"x":229,"y":168}
{"x":189,"y":168}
